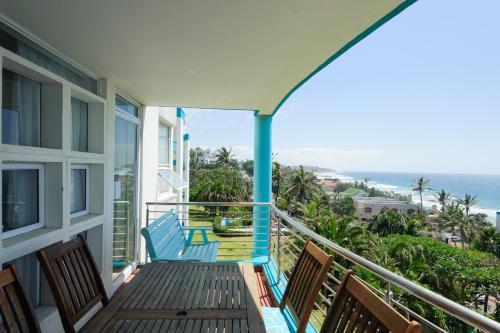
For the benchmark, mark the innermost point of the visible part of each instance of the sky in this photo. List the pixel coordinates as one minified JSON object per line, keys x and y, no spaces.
{"x":420,"y":94}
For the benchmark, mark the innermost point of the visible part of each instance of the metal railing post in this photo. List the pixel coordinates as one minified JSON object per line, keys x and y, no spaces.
{"x":279,"y":249}
{"x":388,"y":294}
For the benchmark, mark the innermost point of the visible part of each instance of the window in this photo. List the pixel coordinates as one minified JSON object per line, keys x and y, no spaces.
{"x":79,"y":125}
{"x":79,"y":192}
{"x":163,"y":144}
{"x":368,"y":210}
{"x":21,"y":99}
{"x":123,"y":105}
{"x":22,"y":198}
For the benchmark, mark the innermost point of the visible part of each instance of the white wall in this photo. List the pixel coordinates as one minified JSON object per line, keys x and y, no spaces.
{"x":152,"y":117}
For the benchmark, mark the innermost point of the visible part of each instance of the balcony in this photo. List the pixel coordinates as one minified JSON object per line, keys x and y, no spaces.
{"x":271,"y":240}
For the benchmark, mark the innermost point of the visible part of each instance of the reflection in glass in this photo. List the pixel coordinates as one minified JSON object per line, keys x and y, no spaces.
{"x":78,"y":202}
{"x":19,"y":199}
{"x":125,"y":184}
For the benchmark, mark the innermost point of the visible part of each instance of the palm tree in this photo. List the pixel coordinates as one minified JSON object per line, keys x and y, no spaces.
{"x":366,"y":180}
{"x":223,"y":157}
{"x":388,"y":223}
{"x":443,"y":197}
{"x":303,"y":185}
{"x":277,"y":180}
{"x":420,"y":185}
{"x":344,"y":232}
{"x":310,"y":212}
{"x":468,"y":201}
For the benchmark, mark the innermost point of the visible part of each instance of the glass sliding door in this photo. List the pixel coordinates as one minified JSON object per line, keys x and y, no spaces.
{"x":125,"y":191}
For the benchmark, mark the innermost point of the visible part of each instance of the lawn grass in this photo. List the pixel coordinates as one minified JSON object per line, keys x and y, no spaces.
{"x":231,"y":248}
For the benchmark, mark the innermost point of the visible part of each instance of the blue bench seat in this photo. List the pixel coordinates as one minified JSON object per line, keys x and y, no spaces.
{"x":166,"y":241}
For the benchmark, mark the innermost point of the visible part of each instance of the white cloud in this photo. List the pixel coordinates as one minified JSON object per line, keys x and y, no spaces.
{"x":340,"y":159}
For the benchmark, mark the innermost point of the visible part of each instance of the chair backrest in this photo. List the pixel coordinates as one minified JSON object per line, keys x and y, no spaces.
{"x":74,"y":279}
{"x":164,"y":237}
{"x":16,"y":310}
{"x":356,"y":307}
{"x":305,"y":282}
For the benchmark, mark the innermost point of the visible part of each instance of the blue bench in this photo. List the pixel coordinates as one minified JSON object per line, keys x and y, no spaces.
{"x":166,"y":241}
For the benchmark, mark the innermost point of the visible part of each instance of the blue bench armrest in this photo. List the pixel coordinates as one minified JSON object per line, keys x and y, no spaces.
{"x":192,"y":230}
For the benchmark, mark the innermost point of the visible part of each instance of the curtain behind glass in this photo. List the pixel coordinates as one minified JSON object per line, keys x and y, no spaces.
{"x":19,"y":198}
{"x":20,"y":110}
{"x":163,"y":148}
{"x":78,"y":202}
{"x":79,"y":120}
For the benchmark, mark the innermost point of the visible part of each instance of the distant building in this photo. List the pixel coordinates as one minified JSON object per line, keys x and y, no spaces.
{"x":206,"y":157}
{"x":328,"y":184}
{"x":367,"y":207}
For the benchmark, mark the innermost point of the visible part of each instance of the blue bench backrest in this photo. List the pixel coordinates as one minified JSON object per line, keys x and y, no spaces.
{"x":164,"y":237}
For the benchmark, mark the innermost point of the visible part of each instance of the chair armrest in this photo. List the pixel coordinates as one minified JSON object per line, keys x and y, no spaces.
{"x":192,"y":230}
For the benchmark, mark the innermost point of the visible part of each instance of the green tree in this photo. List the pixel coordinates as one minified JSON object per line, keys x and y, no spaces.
{"x":343,"y":205}
{"x":488,"y":240}
{"x":278,"y":179}
{"x":224,"y":157}
{"x":302,"y":186}
{"x":467,"y":202}
{"x":366,"y":180}
{"x":389,"y":222}
{"x":344,"y":232}
{"x":220,"y":185}
{"x":443,"y":198}
{"x":248,"y":167}
{"x":420,"y":185}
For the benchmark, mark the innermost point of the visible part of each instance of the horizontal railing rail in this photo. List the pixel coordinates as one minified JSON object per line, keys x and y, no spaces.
{"x":452,"y":308}
{"x":232,"y":222}
{"x":282,"y":225}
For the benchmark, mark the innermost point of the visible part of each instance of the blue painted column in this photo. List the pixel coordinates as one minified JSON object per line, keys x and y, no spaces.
{"x":262,"y":183}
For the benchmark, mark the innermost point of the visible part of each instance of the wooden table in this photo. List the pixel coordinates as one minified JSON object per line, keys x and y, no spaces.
{"x":185,"y":297}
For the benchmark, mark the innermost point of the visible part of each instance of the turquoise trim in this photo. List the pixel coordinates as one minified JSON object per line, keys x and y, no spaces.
{"x":278,"y":289}
{"x":186,"y":137}
{"x":180,"y":113}
{"x":174,"y":162}
{"x":346,"y":47}
{"x":262,"y":183}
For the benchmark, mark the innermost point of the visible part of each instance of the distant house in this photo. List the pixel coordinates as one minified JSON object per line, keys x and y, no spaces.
{"x":206,"y":157}
{"x":367,"y":207}
{"x":328,"y":184}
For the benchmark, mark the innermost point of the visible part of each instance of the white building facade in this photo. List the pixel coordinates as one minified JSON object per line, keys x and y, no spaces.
{"x":75,"y":159}
{"x":367,"y":207}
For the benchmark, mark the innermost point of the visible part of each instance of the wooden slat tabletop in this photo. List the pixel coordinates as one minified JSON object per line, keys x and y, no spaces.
{"x":185,"y":297}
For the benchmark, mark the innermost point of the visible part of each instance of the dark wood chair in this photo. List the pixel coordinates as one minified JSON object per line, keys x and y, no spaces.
{"x":357,"y":308}
{"x":16,"y":310}
{"x":302,"y":289}
{"x":73,"y":278}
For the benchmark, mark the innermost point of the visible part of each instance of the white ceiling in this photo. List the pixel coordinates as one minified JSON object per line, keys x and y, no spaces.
{"x":231,"y":54}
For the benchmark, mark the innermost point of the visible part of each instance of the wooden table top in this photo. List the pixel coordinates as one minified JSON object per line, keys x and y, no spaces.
{"x":185,"y":297}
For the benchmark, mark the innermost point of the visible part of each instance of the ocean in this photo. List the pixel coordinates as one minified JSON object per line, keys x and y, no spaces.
{"x":485,"y":187}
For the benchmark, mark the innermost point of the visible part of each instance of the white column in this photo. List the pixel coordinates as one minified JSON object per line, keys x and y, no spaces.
{"x":179,"y":155}
{"x":187,"y":161}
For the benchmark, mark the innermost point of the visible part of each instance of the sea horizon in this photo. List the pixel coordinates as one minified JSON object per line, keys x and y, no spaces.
{"x":485,"y":186}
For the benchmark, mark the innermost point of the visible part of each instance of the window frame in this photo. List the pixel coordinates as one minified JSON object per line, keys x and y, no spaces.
{"x":41,"y":198}
{"x":167,"y":165}
{"x":72,"y":129}
{"x":86,"y":211}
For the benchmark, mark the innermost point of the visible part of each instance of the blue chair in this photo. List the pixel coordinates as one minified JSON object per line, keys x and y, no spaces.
{"x":166,"y":241}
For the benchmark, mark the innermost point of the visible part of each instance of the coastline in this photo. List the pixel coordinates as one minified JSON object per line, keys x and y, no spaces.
{"x":428,"y":199}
